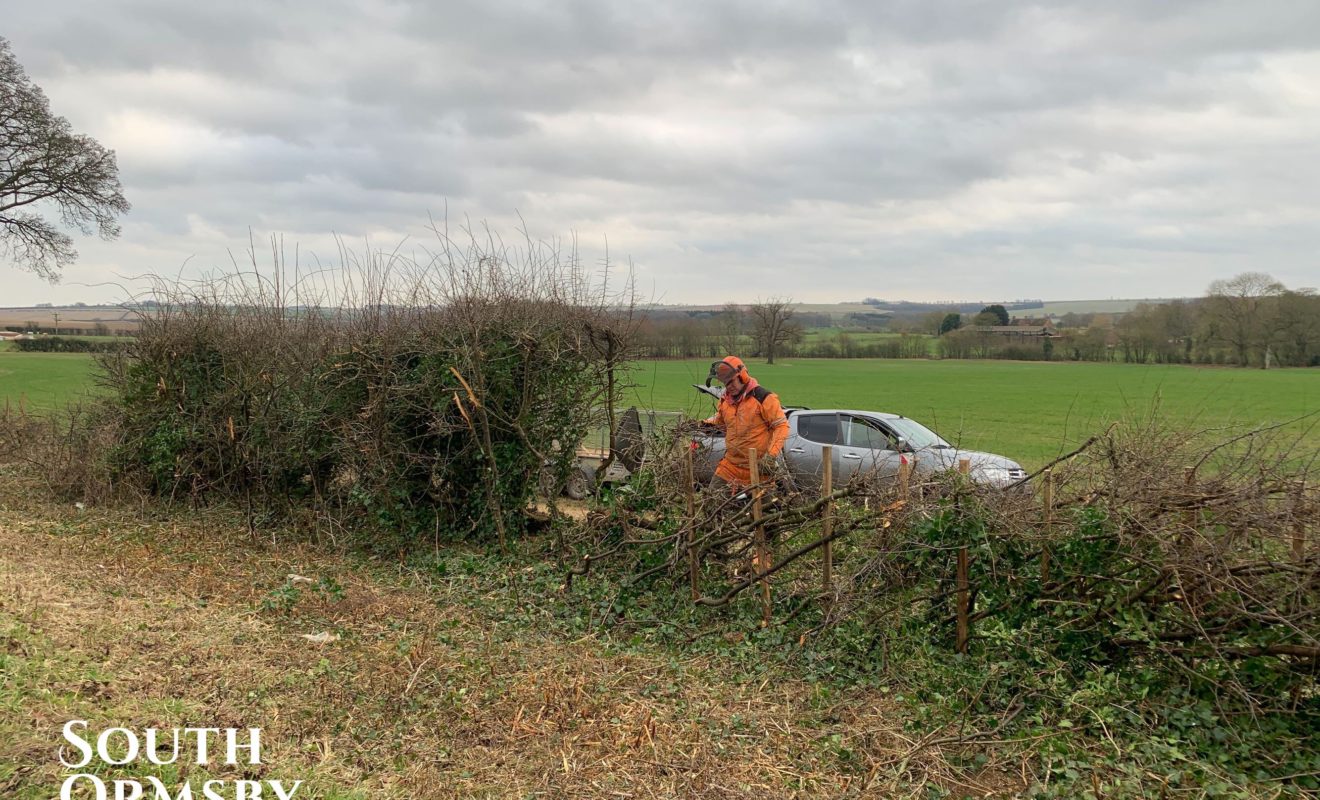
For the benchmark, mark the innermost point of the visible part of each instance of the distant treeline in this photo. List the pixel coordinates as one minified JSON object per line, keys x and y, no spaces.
{"x":95,"y":329}
{"x":1250,"y":320}
{"x":64,"y":344}
{"x":671,"y":340}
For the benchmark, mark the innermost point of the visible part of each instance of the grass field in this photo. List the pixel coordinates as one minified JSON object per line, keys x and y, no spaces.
{"x":816,"y":334}
{"x":42,"y":381}
{"x":1028,"y":411}
{"x":1061,"y":307}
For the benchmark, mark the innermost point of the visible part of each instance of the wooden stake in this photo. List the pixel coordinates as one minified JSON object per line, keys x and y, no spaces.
{"x":1048,"y":497}
{"x":762,"y":550}
{"x":691,"y":524}
{"x":827,"y":524}
{"x":1299,"y":533}
{"x":964,"y":632}
{"x":1190,"y":516}
{"x":904,"y":478}
{"x":965,"y":465}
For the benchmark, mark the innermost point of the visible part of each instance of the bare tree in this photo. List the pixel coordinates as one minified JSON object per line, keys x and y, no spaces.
{"x":43,"y":162}
{"x":1296,"y":331}
{"x":1236,"y":311}
{"x":773,"y":325}
{"x":730,"y":327}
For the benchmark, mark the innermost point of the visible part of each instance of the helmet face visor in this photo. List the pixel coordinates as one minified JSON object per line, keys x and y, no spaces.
{"x":721,"y":371}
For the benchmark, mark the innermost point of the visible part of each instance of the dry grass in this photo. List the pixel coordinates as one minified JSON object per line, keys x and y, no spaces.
{"x":157,"y":620}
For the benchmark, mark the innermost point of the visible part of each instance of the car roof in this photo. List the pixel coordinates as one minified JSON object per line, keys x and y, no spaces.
{"x":853,"y":411}
{"x":717,"y":391}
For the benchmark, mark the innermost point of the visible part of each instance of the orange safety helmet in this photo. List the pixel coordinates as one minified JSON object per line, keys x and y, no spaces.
{"x":726,"y":369}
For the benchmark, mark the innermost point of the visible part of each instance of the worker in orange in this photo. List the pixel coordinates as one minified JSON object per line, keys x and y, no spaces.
{"x":750,"y":416}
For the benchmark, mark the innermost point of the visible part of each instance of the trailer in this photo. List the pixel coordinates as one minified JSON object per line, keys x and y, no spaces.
{"x":630,"y":437}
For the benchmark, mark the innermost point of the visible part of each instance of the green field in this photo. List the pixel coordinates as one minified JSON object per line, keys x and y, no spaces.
{"x":812,"y":335}
{"x":1030,"y":411}
{"x":1061,"y":307}
{"x":42,"y":381}
{"x":1027,"y":410}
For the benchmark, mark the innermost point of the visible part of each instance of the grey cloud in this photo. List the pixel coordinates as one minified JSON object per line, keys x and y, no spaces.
{"x":1010,"y":149}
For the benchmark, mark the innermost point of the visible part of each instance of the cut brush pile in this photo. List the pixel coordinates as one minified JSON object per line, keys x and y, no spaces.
{"x":1158,"y":592}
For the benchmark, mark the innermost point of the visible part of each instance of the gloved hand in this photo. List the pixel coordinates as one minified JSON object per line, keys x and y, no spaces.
{"x":770,"y":466}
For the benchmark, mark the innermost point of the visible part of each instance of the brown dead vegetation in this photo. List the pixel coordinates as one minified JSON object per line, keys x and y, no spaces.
{"x":157,"y":620}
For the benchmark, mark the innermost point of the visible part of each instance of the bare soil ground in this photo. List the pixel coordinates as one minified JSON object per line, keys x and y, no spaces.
{"x":183,"y":619}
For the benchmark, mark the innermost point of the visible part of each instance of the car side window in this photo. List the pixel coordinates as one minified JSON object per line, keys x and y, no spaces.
{"x":891,"y":438}
{"x":820,"y":428}
{"x":863,"y":432}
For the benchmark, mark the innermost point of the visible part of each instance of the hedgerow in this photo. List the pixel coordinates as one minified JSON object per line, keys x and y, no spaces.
{"x":64,"y":344}
{"x":427,"y":401}
{"x":1155,"y":631}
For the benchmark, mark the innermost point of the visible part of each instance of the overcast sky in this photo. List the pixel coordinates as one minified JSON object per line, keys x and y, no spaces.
{"x":826,"y":150}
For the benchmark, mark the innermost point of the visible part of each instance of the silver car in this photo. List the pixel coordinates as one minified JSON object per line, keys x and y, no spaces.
{"x":870,"y":443}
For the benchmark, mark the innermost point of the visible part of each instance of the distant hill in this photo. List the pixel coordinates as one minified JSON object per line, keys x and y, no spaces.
{"x":120,"y":319}
{"x":1019,"y":308}
{"x":73,"y":319}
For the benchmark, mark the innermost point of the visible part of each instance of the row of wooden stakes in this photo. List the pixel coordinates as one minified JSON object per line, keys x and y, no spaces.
{"x":762,"y":558}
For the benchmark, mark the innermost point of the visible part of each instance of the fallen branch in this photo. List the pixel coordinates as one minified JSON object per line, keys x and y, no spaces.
{"x":728,"y":596}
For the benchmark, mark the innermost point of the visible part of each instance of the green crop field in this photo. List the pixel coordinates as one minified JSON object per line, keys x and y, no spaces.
{"x":43,"y":381}
{"x":1030,"y":411}
{"x":814,"y":334}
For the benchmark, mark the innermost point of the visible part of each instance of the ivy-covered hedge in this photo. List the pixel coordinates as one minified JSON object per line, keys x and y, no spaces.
{"x":428,"y":419}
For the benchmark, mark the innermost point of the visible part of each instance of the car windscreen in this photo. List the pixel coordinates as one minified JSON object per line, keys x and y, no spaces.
{"x":918,"y":436}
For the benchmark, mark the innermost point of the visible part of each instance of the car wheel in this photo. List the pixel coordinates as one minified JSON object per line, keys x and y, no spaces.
{"x":546,"y":483}
{"x":580,"y":483}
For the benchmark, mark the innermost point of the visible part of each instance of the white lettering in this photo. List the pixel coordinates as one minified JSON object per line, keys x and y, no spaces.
{"x":162,"y":793}
{"x":78,"y":742}
{"x":201,"y":733}
{"x":153,"y":746}
{"x":253,"y":746}
{"x":118,"y":747}
{"x":121,"y":785}
{"x":103,"y":746}
{"x":66,"y":791}
{"x":278,"y":786}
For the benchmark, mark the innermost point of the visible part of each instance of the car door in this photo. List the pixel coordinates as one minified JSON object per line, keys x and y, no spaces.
{"x":803,"y":454}
{"x":868,"y":449}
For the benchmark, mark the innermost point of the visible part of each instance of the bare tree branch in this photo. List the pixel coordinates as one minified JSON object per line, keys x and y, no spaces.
{"x":43,"y":163}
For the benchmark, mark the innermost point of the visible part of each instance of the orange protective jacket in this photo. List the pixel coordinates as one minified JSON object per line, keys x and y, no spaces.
{"x":752,"y":419}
